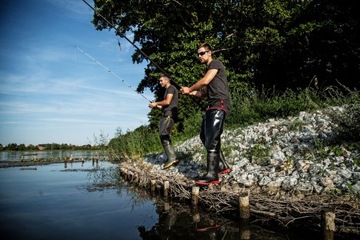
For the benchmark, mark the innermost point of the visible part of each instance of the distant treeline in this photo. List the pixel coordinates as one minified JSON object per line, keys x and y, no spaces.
{"x":49,"y":146}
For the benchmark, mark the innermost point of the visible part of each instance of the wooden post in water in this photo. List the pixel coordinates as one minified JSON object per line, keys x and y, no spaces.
{"x":130,"y":176}
{"x":195,"y":195}
{"x":142,"y":180}
{"x":244,"y":205}
{"x":167,"y":206}
{"x":244,"y":229}
{"x":125,"y":173}
{"x":195,"y":214}
{"x":121,"y":170}
{"x":135,"y":178}
{"x":328,"y":223}
{"x":166,"y":189}
{"x":152,"y":185}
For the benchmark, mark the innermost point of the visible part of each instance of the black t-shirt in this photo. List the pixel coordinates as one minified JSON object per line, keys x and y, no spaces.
{"x":171,"y":109}
{"x":218,"y":88}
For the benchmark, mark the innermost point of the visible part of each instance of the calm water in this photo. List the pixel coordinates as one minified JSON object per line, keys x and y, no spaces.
{"x":85,"y":201}
{"x":18,"y":155}
{"x":52,"y":202}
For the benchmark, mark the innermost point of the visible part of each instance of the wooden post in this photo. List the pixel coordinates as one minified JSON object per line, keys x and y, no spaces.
{"x":130,"y":176}
{"x":244,"y":229}
{"x":135,"y":178}
{"x":142,"y":181}
{"x":328,"y":223}
{"x":195,"y":195}
{"x":166,"y":188}
{"x":167,"y":206}
{"x":244,"y":205}
{"x":125,"y":174}
{"x":153,"y":185}
{"x":195,"y":214}
{"x":121,"y":170}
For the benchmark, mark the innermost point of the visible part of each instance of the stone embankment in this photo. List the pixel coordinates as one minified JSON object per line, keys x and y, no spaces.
{"x":287,"y":165}
{"x":281,"y":156}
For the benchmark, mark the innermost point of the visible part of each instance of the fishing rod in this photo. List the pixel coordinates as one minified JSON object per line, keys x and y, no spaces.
{"x":142,"y":52}
{"x":108,"y":70}
{"x":137,"y":48}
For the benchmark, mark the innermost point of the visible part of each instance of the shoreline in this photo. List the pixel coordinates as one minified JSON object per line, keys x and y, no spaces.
{"x":284,"y":164}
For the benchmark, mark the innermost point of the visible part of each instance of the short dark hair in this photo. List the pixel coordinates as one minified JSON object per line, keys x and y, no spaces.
{"x":206,"y":46}
{"x":165,"y":76}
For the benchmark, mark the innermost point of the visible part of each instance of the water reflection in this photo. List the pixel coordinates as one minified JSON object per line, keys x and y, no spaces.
{"x":181,"y":221}
{"x":90,"y":201}
{"x":51,"y":155}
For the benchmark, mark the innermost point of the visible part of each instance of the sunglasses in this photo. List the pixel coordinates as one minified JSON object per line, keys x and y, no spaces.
{"x":202,"y":53}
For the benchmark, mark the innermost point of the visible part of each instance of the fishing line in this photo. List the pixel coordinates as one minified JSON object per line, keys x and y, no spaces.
{"x":108,"y":70}
{"x":127,"y":39}
{"x":144,"y":54}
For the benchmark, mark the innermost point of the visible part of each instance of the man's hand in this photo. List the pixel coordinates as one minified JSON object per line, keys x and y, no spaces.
{"x":185,"y":90}
{"x":194,"y":93}
{"x":152,"y":104}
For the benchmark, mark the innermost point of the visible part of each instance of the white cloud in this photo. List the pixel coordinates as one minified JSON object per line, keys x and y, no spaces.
{"x":50,"y":92}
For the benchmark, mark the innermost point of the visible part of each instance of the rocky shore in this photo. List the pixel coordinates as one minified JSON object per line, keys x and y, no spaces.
{"x":280,"y":156}
{"x":285,"y":165}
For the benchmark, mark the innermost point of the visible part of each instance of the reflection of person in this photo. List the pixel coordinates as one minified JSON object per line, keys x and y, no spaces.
{"x":169,"y":106}
{"x":213,"y":86}
{"x":212,"y":229}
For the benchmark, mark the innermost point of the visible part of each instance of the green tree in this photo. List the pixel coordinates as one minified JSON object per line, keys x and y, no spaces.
{"x":269,"y":42}
{"x":265,"y":44}
{"x":12,"y":147}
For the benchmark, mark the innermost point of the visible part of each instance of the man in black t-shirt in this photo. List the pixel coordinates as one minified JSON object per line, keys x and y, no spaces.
{"x":214,"y":87}
{"x":169,"y":107}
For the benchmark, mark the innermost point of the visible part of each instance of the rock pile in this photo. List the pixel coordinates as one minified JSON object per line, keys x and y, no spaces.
{"x":288,"y":156}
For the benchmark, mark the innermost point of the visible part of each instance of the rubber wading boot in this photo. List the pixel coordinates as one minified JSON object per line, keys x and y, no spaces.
{"x":211,"y":177}
{"x":223,"y":166}
{"x":170,"y":152}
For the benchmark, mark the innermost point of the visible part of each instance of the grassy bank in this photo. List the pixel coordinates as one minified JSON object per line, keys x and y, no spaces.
{"x":249,"y":107}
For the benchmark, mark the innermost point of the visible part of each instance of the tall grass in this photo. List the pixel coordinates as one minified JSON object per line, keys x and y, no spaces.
{"x":134,"y":144}
{"x":248,"y":107}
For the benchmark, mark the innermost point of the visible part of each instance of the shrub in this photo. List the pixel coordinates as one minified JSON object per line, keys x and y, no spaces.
{"x":348,"y":122}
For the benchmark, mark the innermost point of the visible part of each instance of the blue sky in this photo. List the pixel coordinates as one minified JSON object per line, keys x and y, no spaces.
{"x":50,"y":92}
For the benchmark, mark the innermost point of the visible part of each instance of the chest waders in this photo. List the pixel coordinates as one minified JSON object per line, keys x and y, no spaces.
{"x":211,"y":130}
{"x":165,"y":126}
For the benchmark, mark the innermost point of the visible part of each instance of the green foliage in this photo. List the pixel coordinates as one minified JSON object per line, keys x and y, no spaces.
{"x":272,"y":44}
{"x":295,"y":125}
{"x":134,"y":144}
{"x":259,"y":155}
{"x":249,"y":107}
{"x":191,"y":127}
{"x":50,"y":146}
{"x":282,"y":57}
{"x":357,"y":161}
{"x":348,"y":122}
